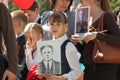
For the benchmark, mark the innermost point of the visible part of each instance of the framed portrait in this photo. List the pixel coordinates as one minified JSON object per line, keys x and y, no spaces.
{"x":49,"y":57}
{"x":82,"y":15}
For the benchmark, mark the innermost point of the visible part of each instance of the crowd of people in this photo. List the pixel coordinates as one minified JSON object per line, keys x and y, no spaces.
{"x":20,"y":30}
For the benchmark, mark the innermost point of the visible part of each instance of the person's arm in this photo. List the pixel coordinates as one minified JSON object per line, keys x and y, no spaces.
{"x":8,"y":74}
{"x":113,"y":35}
{"x":73,"y":61}
{"x":10,"y":43}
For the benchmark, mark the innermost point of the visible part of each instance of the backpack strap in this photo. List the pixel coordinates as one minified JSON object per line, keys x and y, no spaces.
{"x":65,"y":68}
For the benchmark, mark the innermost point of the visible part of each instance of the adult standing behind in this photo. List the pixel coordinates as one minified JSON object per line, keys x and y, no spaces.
{"x":6,"y":28}
{"x":99,"y":71}
{"x":59,"y":5}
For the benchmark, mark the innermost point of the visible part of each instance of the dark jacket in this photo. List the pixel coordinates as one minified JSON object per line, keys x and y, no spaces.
{"x":97,"y":71}
{"x":21,"y":43}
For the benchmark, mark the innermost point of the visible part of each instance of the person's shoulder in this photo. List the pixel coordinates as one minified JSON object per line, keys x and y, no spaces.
{"x":46,"y":13}
{"x":109,"y":15}
{"x":70,"y":13}
{"x":45,"y":16}
{"x":70,"y":45}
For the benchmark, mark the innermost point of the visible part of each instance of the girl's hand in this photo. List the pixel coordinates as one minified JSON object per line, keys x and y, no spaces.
{"x":89,"y":36}
{"x":30,"y":43}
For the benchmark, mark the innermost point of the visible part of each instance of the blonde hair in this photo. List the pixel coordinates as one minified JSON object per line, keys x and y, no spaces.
{"x":34,"y":26}
{"x":19,"y":14}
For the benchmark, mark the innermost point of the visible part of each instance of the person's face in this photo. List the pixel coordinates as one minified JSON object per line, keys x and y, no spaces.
{"x":35,"y":36}
{"x":18,"y":26}
{"x":47,"y":54}
{"x":62,"y":5}
{"x":58,"y":29}
{"x":15,"y":26}
{"x":31,"y":15}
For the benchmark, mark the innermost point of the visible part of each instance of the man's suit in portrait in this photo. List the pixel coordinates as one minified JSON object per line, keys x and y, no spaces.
{"x":81,"y":26}
{"x":54,"y":69}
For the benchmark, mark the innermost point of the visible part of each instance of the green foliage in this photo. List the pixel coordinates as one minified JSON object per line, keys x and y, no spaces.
{"x":114,"y":3}
{"x":43,"y":5}
{"x":12,"y":6}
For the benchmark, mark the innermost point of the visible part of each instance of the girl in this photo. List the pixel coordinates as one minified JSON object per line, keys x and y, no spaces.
{"x":58,"y":26}
{"x":59,"y":5}
{"x":33,"y":33}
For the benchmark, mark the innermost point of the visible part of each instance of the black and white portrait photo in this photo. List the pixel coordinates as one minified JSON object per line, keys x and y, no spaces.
{"x":49,"y":53}
{"x":81,"y":20}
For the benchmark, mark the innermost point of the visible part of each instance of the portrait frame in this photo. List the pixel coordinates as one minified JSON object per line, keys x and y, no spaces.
{"x":82,"y":15}
{"x":56,"y":56}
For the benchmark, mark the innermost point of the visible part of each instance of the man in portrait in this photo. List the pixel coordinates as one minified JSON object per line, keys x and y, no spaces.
{"x":81,"y":24}
{"x":48,"y":65}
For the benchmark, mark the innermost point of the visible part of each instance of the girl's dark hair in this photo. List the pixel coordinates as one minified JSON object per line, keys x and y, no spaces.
{"x":58,"y":16}
{"x":53,"y":2}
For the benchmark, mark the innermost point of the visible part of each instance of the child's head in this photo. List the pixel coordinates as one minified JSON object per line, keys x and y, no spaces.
{"x":33,"y":33}
{"x":19,"y":21}
{"x":58,"y":23}
{"x":32,"y":12}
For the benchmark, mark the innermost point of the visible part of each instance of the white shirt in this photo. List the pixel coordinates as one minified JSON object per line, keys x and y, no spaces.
{"x":72,"y":58}
{"x":31,"y":60}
